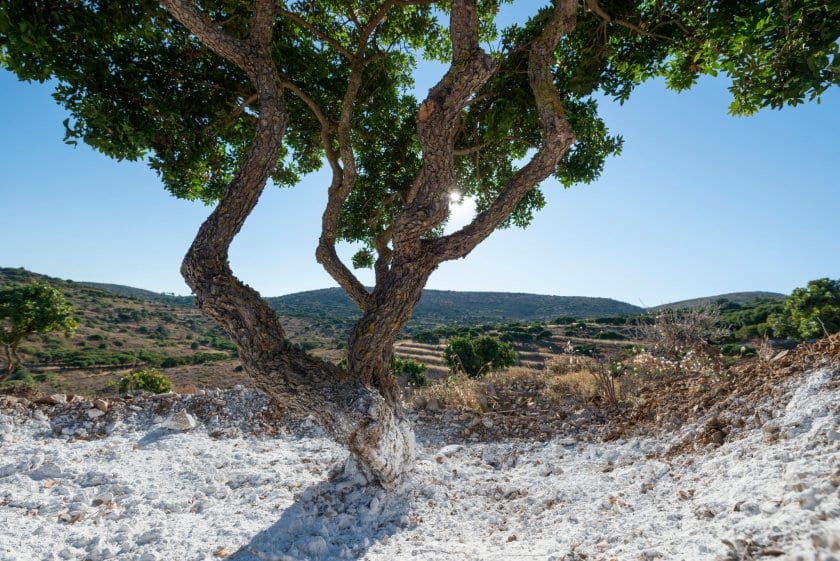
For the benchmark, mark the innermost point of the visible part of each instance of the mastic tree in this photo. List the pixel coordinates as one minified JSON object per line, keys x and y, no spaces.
{"x":477,"y":357}
{"x":29,"y":309}
{"x":811,"y":311}
{"x":223,"y":96}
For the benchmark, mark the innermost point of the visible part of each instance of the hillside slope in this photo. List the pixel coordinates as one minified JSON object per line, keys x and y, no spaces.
{"x":455,"y":307}
{"x":734,"y":297}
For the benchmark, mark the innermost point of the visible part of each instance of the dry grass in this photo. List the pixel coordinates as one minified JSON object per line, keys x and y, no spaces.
{"x":456,"y":392}
{"x":570,"y":363}
{"x":580,"y":383}
{"x":496,"y":389}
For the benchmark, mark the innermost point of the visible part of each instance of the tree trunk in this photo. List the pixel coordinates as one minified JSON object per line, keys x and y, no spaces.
{"x":388,"y":309}
{"x":12,"y":360}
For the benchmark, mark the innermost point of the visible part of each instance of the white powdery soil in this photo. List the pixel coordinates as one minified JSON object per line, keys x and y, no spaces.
{"x":152,"y":495}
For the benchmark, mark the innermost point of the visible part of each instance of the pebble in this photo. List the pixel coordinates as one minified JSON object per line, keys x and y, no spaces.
{"x":180,"y":421}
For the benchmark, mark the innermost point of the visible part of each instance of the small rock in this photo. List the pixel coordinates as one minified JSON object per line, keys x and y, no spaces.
{"x":94,"y":413}
{"x":433,"y":404}
{"x":450,"y":450}
{"x":57,"y":399}
{"x":101,"y":404}
{"x":180,"y":421}
{"x":316,"y":546}
{"x":111,"y":427}
{"x":717,"y":437}
{"x":685,"y":495}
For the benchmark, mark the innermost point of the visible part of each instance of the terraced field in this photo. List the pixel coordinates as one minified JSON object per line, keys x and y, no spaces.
{"x":532,"y":354}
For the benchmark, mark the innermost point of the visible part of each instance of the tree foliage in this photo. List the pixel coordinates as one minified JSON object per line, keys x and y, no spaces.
{"x":475,"y":357}
{"x":811,"y":311}
{"x":138,"y":85}
{"x":29,"y":309}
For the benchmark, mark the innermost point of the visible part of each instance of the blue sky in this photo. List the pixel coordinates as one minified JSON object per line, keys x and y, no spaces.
{"x":699,"y":203}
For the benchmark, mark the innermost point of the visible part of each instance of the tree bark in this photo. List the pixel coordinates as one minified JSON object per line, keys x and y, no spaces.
{"x":371,"y":342}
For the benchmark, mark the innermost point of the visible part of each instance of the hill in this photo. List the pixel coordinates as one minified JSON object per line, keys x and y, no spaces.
{"x":450,"y":307}
{"x":141,"y":293}
{"x":732,"y":297}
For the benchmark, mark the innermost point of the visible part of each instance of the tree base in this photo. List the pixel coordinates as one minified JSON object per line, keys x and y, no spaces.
{"x":383,"y":448}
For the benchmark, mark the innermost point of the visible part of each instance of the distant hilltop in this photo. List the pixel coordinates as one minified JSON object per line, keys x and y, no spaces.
{"x":435,"y":307}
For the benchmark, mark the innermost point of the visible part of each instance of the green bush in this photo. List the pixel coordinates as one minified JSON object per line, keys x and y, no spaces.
{"x":810,"y":312}
{"x":150,"y":380}
{"x":610,"y":335}
{"x":427,"y":337}
{"x":413,"y":370}
{"x":475,"y":357}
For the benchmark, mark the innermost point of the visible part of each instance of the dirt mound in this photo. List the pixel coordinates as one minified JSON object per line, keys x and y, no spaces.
{"x":745,"y":397}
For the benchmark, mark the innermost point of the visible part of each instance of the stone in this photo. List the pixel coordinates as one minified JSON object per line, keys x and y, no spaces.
{"x":101,"y":404}
{"x":57,"y":399}
{"x":433,"y":404}
{"x":180,"y":421}
{"x":94,"y":413}
{"x":717,"y":437}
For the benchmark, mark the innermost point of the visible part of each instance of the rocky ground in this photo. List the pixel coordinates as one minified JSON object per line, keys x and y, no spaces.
{"x":734,"y":468}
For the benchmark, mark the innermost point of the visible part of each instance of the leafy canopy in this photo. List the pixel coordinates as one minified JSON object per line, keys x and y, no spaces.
{"x":810,"y":312}
{"x":138,"y":85}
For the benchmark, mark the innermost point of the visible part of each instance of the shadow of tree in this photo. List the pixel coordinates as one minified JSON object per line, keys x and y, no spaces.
{"x":331,"y":520}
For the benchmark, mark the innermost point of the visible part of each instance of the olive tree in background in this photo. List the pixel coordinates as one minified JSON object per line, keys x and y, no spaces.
{"x":224,"y":96}
{"x":29,"y":309}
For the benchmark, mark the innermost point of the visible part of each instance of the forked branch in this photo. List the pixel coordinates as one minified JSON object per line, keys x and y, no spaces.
{"x":557,"y":138}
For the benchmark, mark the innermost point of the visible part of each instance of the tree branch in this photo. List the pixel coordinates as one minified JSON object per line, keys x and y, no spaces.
{"x":594,"y":7}
{"x":323,"y":36}
{"x":437,"y":127}
{"x":238,"y":308}
{"x":344,"y":179}
{"x":230,"y":48}
{"x":557,"y":134}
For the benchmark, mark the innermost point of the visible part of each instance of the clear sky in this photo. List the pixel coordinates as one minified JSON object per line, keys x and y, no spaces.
{"x":699,"y":203}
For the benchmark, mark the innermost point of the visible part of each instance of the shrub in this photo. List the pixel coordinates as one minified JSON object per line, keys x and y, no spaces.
{"x":476,"y":357}
{"x":684,"y":337}
{"x":150,"y":380}
{"x":413,"y":370}
{"x":810,"y":312}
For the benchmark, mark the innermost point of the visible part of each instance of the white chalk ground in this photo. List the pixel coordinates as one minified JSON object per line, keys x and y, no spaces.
{"x":145,"y":495}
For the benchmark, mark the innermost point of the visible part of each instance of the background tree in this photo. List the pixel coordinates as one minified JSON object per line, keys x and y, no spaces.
{"x":477,"y":357}
{"x":810,"y":312}
{"x":223,"y":97}
{"x":29,"y":309}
